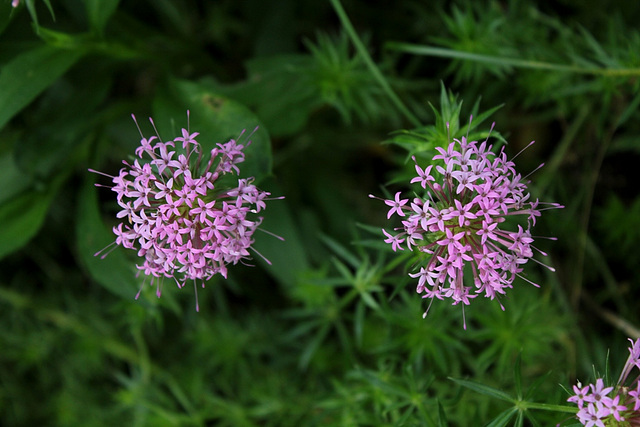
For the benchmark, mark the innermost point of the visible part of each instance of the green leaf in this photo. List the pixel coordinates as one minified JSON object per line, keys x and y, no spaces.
{"x":5,"y":15}
{"x":28,"y":75}
{"x":358,"y":324}
{"x":631,"y":109}
{"x":532,"y":420}
{"x":22,"y":216}
{"x":312,"y":346}
{"x":369,"y":300}
{"x":280,"y":90}
{"x":115,"y":272}
{"x":288,"y":259}
{"x":99,"y":12}
{"x":484,"y":389}
{"x":517,"y":372}
{"x":442,"y":416}
{"x":340,"y":250}
{"x":12,"y":178}
{"x":217,"y":119}
{"x":519,"y":419}
{"x":503,"y":418}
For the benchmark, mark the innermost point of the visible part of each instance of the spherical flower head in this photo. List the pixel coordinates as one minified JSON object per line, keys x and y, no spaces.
{"x":459,"y":228}
{"x":184,"y":221}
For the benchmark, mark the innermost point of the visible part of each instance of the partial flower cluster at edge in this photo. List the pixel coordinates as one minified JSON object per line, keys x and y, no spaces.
{"x":617,"y":406}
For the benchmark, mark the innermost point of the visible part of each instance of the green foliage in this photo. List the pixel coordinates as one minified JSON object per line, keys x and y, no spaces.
{"x":44,"y":65}
{"x":343,"y":81}
{"x":329,"y":331}
{"x":447,"y":126}
{"x":217,"y":118}
{"x":619,"y":223}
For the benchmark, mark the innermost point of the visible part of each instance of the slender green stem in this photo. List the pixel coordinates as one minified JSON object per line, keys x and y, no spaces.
{"x":592,"y":180}
{"x":548,"y":407}
{"x":520,"y":63}
{"x":346,"y":23}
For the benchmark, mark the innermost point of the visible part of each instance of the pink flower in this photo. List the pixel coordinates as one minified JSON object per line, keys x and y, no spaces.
{"x":459,"y":222}
{"x":632,"y":361}
{"x":615,"y":408}
{"x":396,"y":205}
{"x":184,"y":223}
{"x":603,"y":406}
{"x":579,"y":396}
{"x":599,"y":393}
{"x":634,"y":353}
{"x":593,"y":415}
{"x":635,"y":395}
{"x":395,"y":241}
{"x":424,"y":175}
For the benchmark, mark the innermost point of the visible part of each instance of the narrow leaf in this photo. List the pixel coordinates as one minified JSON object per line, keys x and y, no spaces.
{"x":99,"y":12}
{"x":517,"y":373}
{"x":442,"y":416}
{"x":313,"y":346}
{"x":484,"y":389}
{"x":340,"y":250}
{"x":503,"y":419}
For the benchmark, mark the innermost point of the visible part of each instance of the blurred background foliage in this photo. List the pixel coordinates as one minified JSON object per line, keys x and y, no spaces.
{"x":332,"y":332}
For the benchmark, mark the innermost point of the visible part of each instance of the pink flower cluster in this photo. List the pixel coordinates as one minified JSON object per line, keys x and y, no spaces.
{"x":458,"y":226}
{"x":600,"y":406}
{"x":182,"y":220}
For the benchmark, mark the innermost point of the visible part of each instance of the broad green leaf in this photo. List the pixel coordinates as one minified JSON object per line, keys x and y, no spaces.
{"x":115,"y":272}
{"x":12,"y":178}
{"x":281,"y":91}
{"x":28,"y":75}
{"x":288,"y":258}
{"x":217,"y":119}
{"x":22,"y":216}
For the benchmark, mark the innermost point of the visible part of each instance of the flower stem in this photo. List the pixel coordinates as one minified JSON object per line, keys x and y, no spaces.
{"x":362,"y":50}
{"x":520,"y":63}
{"x":547,"y":407}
